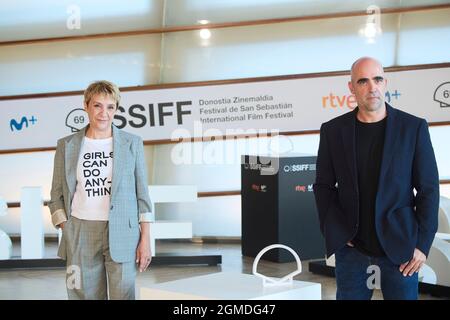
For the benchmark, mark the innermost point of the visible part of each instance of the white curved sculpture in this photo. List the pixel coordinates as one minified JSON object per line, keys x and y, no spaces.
{"x":286,"y":280}
{"x":427,"y":275}
{"x":331,"y":261}
{"x":439,"y":261}
{"x":5,"y":241}
{"x":444,"y":215}
{"x":437,"y":267}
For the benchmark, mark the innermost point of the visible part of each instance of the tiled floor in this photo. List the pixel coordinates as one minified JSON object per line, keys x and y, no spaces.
{"x":50,"y":284}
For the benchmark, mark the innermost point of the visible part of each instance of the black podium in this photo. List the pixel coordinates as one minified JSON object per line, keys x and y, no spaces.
{"x":278,"y":206}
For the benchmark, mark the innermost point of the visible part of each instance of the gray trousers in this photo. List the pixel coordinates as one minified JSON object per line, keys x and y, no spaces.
{"x":91,"y":273}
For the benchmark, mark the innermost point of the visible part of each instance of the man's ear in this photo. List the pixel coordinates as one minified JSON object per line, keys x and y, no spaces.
{"x":85,"y":106}
{"x":350,"y":87}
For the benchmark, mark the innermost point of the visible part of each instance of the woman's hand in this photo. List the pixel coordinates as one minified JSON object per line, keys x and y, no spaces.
{"x":143,"y":254}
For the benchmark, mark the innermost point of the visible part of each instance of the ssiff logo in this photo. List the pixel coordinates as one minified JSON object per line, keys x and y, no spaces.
{"x":300,"y":167}
{"x":14,"y":125}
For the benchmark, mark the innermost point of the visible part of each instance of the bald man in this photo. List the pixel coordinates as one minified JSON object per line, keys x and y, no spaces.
{"x":370,"y":163}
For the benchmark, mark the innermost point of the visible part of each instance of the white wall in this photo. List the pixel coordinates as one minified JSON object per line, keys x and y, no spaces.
{"x":65,"y":66}
{"x":187,"y":12}
{"x":25,"y":19}
{"x":439,"y":138}
{"x":210,"y":217}
{"x":274,"y":49}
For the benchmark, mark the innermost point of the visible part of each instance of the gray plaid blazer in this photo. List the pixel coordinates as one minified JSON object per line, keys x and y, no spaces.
{"x":130,"y":202}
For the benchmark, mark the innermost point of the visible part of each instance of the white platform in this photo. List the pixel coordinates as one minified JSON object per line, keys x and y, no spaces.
{"x":32,"y":244}
{"x":169,"y":229}
{"x":229,"y":286}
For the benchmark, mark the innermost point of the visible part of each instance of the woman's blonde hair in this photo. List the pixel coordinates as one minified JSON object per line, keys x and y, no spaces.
{"x":102,"y":87}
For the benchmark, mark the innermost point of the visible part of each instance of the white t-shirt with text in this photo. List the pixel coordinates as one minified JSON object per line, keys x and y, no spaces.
{"x":92,"y":196}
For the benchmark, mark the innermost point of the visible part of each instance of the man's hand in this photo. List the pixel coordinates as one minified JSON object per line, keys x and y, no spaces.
{"x":408,"y":268}
{"x":143,"y":254}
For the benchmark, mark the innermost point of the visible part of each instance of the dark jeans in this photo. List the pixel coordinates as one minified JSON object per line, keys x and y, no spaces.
{"x":352,"y":274}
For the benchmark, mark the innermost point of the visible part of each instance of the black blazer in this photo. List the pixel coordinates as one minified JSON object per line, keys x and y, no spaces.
{"x":404,"y":221}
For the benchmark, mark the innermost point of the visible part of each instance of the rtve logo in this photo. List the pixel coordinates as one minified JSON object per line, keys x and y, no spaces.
{"x":259,"y":188}
{"x":308,"y":188}
{"x":334,"y":101}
